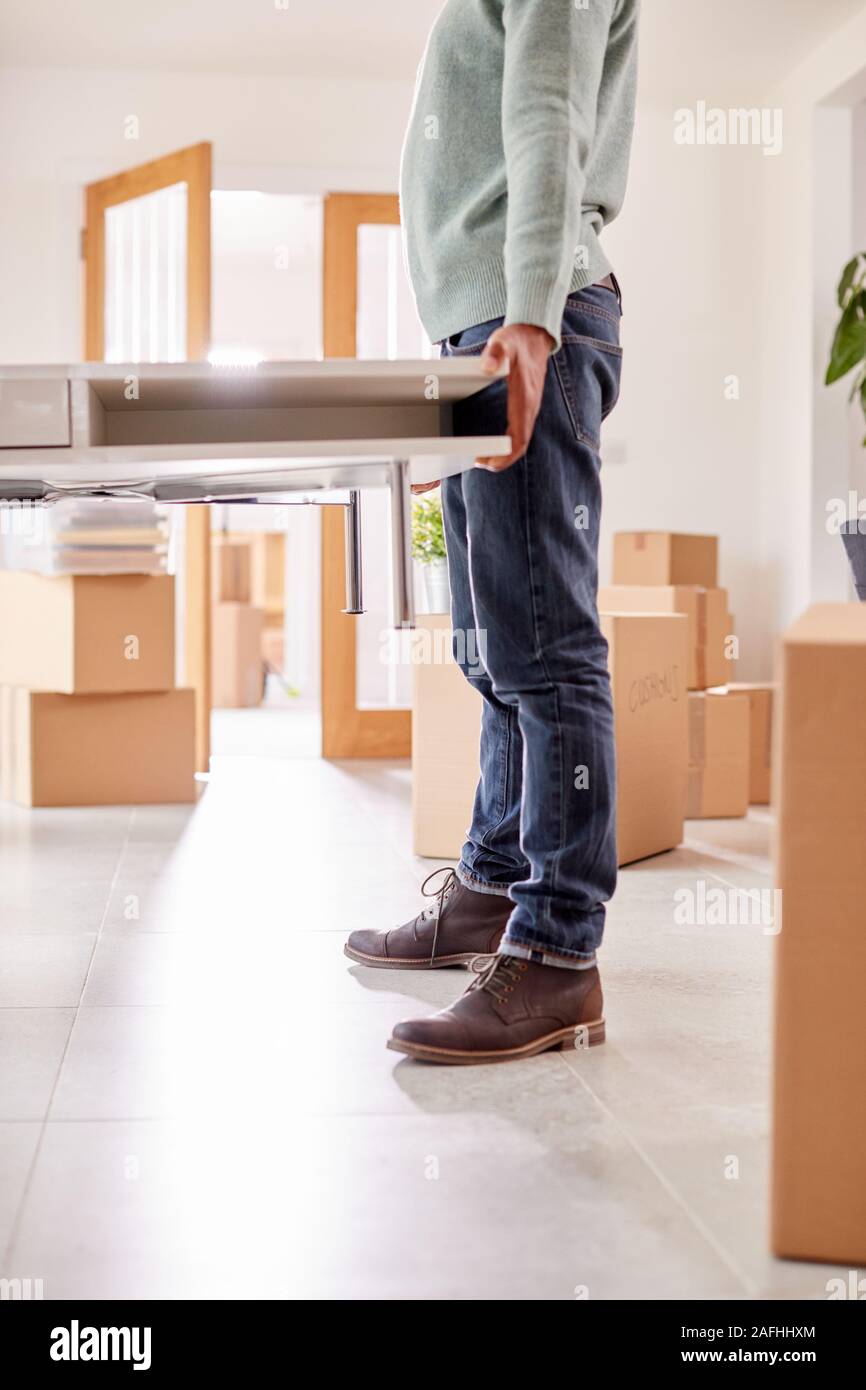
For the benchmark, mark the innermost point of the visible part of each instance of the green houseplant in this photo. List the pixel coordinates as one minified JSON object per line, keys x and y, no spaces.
{"x":428,"y":548}
{"x":848,"y":349}
{"x":847,"y":352}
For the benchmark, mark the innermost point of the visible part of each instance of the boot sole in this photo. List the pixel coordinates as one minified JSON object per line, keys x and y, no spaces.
{"x":408,"y":963}
{"x":564,"y":1039}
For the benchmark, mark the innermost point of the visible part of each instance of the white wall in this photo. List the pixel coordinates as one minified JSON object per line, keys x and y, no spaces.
{"x":687,"y":250}
{"x":807,"y":218}
{"x":714,"y":250}
{"x":60,"y":129}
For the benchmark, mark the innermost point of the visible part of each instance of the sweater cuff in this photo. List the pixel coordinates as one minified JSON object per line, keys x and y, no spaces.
{"x":536,"y":297}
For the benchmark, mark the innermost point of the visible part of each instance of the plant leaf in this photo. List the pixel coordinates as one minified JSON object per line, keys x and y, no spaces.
{"x":428,"y":537}
{"x":847,"y":279}
{"x":849,"y":342}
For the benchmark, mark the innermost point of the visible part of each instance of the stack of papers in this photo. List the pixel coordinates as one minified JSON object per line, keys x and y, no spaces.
{"x":85,"y":536}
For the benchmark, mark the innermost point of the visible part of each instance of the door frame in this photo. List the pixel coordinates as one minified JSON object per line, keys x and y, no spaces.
{"x":192,"y":166}
{"x":347,"y":731}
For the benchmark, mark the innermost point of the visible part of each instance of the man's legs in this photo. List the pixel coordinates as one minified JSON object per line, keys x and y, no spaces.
{"x":530,"y":537}
{"x":531,"y":542}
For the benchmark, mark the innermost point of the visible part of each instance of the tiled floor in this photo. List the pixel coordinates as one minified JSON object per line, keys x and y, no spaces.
{"x":196,"y":1099}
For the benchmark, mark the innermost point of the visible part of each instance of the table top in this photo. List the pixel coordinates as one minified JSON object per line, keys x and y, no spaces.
{"x":241,"y":472}
{"x":338,"y":381}
{"x":191,"y":431}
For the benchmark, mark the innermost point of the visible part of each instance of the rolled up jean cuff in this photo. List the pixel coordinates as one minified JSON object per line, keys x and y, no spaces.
{"x":540,"y":955}
{"x":468,"y":879}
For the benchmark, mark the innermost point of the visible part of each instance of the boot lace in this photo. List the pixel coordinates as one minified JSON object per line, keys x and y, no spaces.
{"x":441,"y":894}
{"x":498,"y":975}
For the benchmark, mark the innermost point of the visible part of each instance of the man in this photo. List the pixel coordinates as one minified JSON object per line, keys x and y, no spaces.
{"x":515,"y":158}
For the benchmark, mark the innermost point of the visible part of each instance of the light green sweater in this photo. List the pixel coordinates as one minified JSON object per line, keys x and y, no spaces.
{"x":515,"y":157}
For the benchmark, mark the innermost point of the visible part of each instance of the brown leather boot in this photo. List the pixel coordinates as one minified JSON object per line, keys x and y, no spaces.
{"x":513,"y":1009}
{"x":460,"y":926}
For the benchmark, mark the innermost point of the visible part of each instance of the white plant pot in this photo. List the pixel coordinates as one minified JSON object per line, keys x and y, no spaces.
{"x":437,"y":594}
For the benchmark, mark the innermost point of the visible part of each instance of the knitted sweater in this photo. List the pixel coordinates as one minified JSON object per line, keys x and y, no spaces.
{"x":515,"y":157}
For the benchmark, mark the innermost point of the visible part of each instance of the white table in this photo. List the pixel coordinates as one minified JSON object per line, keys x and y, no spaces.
{"x":294,"y":432}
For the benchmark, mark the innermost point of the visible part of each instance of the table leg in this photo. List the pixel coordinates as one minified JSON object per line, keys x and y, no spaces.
{"x":354,"y":571}
{"x":403,"y":595}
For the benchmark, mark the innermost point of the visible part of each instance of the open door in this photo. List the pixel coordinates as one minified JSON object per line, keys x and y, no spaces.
{"x":347,"y":731}
{"x":147,"y":251}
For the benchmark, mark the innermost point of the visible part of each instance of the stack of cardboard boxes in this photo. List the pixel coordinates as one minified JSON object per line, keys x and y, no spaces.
{"x":729,"y":724}
{"x":687,"y":743}
{"x":248,"y":614}
{"x":268,"y":592}
{"x":237,"y":625}
{"x":446,"y":725}
{"x":819,"y":1119}
{"x":89,"y":714}
{"x":648,"y":665}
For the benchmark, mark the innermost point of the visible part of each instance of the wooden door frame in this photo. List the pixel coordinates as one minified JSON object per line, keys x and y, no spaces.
{"x":192,"y":166}
{"x":348,"y":732}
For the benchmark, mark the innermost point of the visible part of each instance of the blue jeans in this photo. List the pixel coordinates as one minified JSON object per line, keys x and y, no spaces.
{"x":522,"y":561}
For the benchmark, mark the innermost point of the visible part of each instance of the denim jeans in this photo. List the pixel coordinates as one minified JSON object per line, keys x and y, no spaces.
{"x":522,"y":561}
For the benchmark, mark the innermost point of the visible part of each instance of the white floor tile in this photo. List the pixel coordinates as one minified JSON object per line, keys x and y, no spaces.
{"x":228,"y":1122}
{"x":32,"y":1042}
{"x":38,"y":971}
{"x":17,"y":1150}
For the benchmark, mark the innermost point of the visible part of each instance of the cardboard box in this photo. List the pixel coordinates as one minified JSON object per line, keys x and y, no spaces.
{"x":237,"y":669}
{"x":818,"y":1198}
{"x":87,"y":634}
{"x":665,"y":557}
{"x":648,"y":659}
{"x":231,"y":571}
{"x":706,"y":610}
{"x":760,"y":698}
{"x":269,"y":574}
{"x":731,"y":652}
{"x":274,"y":647}
{"x":96,"y":750}
{"x":718,"y":755}
{"x":446,"y":727}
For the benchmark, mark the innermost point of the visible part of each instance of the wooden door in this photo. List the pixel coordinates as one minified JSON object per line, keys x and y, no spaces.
{"x":347,"y":731}
{"x":189,"y":168}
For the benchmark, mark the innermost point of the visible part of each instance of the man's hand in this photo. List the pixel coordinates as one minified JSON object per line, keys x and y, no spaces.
{"x":424,"y":487}
{"x":526,"y":349}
